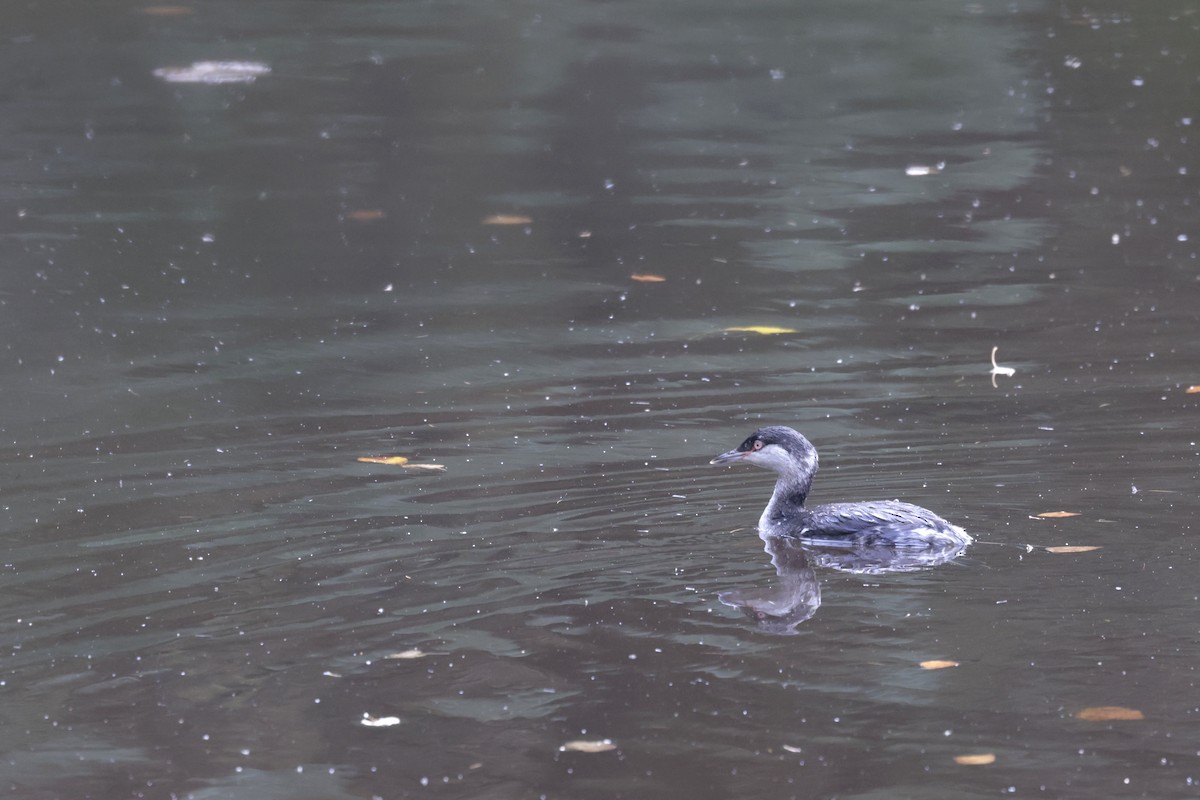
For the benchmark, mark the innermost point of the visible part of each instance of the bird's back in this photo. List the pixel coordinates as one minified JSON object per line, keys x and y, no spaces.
{"x":881,"y":523}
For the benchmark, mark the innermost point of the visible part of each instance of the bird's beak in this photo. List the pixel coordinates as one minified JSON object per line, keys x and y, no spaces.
{"x":729,"y":458}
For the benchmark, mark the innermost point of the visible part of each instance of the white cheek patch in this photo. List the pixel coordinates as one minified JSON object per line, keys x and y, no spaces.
{"x":773,"y":457}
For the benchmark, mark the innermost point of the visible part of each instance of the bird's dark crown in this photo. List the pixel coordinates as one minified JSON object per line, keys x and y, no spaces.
{"x":787,"y":438}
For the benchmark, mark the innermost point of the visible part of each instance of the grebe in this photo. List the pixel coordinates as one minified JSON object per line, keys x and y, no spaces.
{"x":882,"y":523}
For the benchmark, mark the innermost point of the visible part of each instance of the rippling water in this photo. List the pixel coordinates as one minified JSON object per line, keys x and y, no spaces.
{"x":217,"y":297}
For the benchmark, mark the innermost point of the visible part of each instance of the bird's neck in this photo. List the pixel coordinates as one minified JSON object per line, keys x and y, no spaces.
{"x":791,"y":490}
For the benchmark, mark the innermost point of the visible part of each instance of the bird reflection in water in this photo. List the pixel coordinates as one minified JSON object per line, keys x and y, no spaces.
{"x":797,"y":595}
{"x":794,"y":599}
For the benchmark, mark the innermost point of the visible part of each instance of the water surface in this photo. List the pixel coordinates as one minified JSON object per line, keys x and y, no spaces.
{"x":217,"y":297}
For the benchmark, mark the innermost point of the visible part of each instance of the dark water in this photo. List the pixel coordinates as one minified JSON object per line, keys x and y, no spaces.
{"x":216,"y":297}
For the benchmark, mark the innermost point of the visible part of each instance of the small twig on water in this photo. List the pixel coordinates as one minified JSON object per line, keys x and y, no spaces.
{"x":998,"y":370}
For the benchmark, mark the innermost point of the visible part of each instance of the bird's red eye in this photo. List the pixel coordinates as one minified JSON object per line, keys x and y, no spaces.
{"x":758,"y":444}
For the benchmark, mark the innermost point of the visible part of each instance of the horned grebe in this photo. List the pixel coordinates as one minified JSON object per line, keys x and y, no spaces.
{"x":881,"y":523}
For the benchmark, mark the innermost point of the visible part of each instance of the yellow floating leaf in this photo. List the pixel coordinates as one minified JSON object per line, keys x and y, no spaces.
{"x":1105,"y":713}
{"x":584,"y":746}
{"x":392,"y":460}
{"x":938,"y":664}
{"x":973,"y":759}
{"x":1193,"y":389}
{"x":1058,"y":514}
{"x":646,"y":277}
{"x":407,"y":654}
{"x":765,"y":330}
{"x":507,"y":219}
{"x":1073,"y":548}
{"x":365,"y":214}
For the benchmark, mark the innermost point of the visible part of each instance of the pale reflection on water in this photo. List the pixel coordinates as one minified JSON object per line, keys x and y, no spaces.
{"x":797,"y":596}
{"x":217,"y":297}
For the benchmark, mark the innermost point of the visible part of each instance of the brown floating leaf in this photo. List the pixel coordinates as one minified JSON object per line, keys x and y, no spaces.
{"x":507,"y":219}
{"x":1058,"y":514}
{"x":1073,"y":548}
{"x":1105,"y":713}
{"x":583,"y":746}
{"x":972,"y":759}
{"x":407,"y":654}
{"x":366,"y":214}
{"x":1193,"y":389}
{"x":765,"y":330}
{"x":646,"y":277}
{"x":938,"y":664}
{"x":392,"y":460}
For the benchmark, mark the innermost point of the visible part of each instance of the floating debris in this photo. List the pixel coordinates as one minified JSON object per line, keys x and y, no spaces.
{"x":407,"y":654}
{"x":166,"y":11}
{"x":213,"y":72}
{"x":922,"y":170}
{"x":998,"y":370}
{"x":765,"y":330}
{"x":378,"y":722}
{"x":584,"y":746}
{"x":1107,"y":713}
{"x":507,"y":219}
{"x":394,"y":461}
{"x":365,"y":214}
{"x":975,"y":759}
{"x":400,"y":461}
